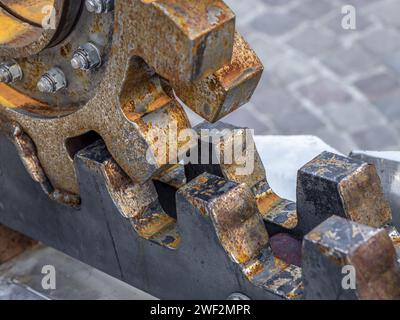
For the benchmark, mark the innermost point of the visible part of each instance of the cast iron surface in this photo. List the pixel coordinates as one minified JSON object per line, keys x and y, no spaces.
{"x":100,"y":236}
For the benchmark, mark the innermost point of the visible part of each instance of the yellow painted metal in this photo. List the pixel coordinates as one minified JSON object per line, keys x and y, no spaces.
{"x":12,"y":99}
{"x":34,"y":11}
{"x":15,"y":33}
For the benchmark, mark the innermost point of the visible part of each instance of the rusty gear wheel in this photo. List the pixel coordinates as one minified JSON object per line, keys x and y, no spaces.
{"x":151,"y":53}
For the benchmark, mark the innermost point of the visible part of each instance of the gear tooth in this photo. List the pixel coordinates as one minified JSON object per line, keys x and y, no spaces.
{"x":28,"y":154}
{"x":227,"y":89}
{"x":142,"y":89}
{"x":185,"y":53}
{"x":279,"y":212}
{"x":174,"y":176}
{"x":138,"y":203}
{"x":98,"y":134}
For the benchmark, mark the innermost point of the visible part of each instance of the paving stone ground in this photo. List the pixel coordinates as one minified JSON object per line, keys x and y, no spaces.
{"x":341,"y":85}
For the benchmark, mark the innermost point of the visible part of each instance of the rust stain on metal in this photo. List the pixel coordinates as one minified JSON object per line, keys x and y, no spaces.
{"x":129,"y":105}
{"x":267,"y":200}
{"x":187,"y":49}
{"x":14,"y":32}
{"x":377,"y":274}
{"x":239,"y":227}
{"x":363,"y":198}
{"x":228,"y":88}
{"x":12,"y":244}
{"x":11,"y":98}
{"x":32,"y":11}
{"x":28,"y":38}
{"x":396,"y":240}
{"x":137,"y":203}
{"x":314,"y":236}
{"x":28,"y":154}
{"x":253,"y":269}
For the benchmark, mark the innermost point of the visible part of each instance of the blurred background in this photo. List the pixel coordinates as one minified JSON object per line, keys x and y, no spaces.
{"x":320,"y":79}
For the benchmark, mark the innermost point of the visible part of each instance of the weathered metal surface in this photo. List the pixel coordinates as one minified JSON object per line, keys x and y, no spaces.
{"x":274,"y":209}
{"x":136,"y":202}
{"x":232,"y":209}
{"x":18,"y":30}
{"x":125,"y":101}
{"x":329,"y":184}
{"x":94,"y":145}
{"x":394,"y":234}
{"x":286,"y":248}
{"x":223,"y":246}
{"x":337,"y":243}
{"x":240,"y":231}
{"x":12,"y":244}
{"x":28,"y":154}
{"x":227,"y":89}
{"x":99,"y":234}
{"x":182,"y":40}
{"x":82,"y":86}
{"x":388,"y":167}
{"x":246,"y":168}
{"x":23,"y":33}
{"x":335,"y":185}
{"x":31,"y":11}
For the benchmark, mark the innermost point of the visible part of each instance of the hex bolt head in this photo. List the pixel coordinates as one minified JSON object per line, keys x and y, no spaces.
{"x":238,"y":296}
{"x":52,"y":81}
{"x":10,"y":72}
{"x":100,"y":6}
{"x":86,"y":57}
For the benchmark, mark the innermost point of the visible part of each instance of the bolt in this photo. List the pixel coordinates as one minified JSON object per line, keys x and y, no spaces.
{"x":100,"y":6}
{"x":52,"y":81}
{"x":86,"y":57}
{"x":238,"y":296}
{"x":10,"y":72}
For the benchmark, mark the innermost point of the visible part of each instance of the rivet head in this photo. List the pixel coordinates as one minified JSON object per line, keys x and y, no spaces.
{"x":10,"y":72}
{"x":52,"y":81}
{"x":86,"y":57}
{"x":100,"y":6}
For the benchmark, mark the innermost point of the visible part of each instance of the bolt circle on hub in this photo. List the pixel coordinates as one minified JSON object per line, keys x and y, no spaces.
{"x":86,"y":57}
{"x":100,"y":6}
{"x":52,"y":81}
{"x":10,"y":72}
